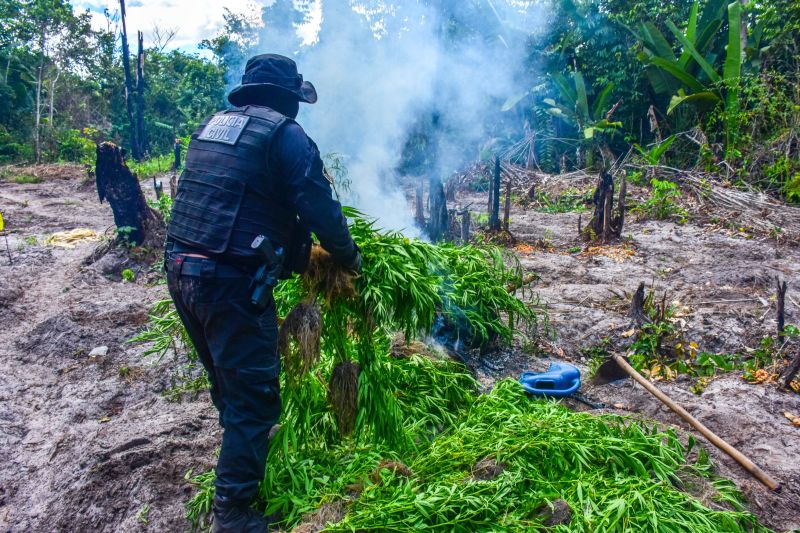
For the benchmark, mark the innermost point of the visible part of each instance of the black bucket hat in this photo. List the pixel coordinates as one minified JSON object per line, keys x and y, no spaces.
{"x":267,"y":71}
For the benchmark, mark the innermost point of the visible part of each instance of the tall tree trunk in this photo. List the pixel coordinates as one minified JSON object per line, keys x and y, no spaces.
{"x":52,"y":97}
{"x":126,"y":66}
{"x":144,"y":147}
{"x":37,"y":121}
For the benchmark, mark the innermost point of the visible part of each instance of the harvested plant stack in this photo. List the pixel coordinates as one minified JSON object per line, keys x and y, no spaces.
{"x":395,"y":443}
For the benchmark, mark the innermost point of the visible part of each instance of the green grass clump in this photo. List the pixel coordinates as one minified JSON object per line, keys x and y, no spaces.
{"x":571,"y":200}
{"x":153,"y":166}
{"x":26,"y":179}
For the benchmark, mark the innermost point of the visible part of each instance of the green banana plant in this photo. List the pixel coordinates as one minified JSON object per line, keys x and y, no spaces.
{"x":654,"y":154}
{"x":691,"y":78}
{"x":574,"y":106}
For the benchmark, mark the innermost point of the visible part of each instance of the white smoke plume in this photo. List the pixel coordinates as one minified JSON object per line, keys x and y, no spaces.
{"x":381,"y":67}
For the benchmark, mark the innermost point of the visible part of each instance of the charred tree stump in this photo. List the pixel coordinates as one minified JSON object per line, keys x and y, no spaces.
{"x":637,"y":312}
{"x":532,"y":193}
{"x":450,"y":191}
{"x":619,"y":222}
{"x":173,"y":185}
{"x":605,"y":223}
{"x":439,"y":223}
{"x":791,"y":371}
{"x":607,"y":205}
{"x":419,"y":204}
{"x":465,"y":223}
{"x":494,"y":213}
{"x":507,"y":207}
{"x":781,"y":308}
{"x":176,"y":150}
{"x":117,"y":184}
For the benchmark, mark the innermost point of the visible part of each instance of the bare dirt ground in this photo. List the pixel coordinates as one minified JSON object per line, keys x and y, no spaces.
{"x":89,"y":443}
{"x":723,"y":285}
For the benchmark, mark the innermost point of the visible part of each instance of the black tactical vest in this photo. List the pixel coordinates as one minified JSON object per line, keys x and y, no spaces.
{"x":227,"y":193}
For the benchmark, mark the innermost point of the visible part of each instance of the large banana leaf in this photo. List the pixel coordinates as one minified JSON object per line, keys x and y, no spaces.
{"x":602,"y":101}
{"x":688,"y":46}
{"x":655,"y":42}
{"x":582,"y":100}
{"x":705,"y":98}
{"x":568,"y":95}
{"x":675,"y":70}
{"x":691,"y":35}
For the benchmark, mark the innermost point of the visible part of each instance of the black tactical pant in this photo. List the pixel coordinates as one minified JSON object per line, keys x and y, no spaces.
{"x":238,"y":348}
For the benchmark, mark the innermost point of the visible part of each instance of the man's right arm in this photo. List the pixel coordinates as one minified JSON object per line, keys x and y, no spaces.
{"x":297,"y":160}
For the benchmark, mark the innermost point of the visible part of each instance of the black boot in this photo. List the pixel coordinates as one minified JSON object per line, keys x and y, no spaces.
{"x":237,"y":517}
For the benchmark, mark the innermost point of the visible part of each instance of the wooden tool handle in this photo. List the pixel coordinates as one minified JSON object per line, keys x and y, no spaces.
{"x":748,"y":465}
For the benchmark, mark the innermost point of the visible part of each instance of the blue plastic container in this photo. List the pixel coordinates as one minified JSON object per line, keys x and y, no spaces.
{"x":560,"y":380}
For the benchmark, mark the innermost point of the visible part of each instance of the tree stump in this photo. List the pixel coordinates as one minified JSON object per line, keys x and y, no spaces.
{"x":494,"y":205}
{"x":606,"y":223}
{"x":137,"y":224}
{"x":419,"y":204}
{"x":439,"y":223}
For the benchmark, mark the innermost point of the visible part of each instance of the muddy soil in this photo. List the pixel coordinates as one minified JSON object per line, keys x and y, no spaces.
{"x":723,"y":288}
{"x":89,"y":443}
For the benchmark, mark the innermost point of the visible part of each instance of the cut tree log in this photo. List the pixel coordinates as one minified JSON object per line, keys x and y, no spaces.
{"x":137,"y":224}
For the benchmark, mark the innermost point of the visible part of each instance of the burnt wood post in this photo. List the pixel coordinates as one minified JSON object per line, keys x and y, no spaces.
{"x":507,"y":206}
{"x":450,"y":191}
{"x":419,"y":204}
{"x":117,"y":184}
{"x":141,"y":135}
{"x":603,"y":224}
{"x":439,"y":223}
{"x":126,"y":67}
{"x":619,"y":222}
{"x":781,"y":304}
{"x":465,"y":222}
{"x":173,"y":185}
{"x":607,"y":205}
{"x":176,"y":151}
{"x":494,"y":213}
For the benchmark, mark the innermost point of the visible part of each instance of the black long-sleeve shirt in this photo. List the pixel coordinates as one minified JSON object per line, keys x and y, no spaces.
{"x":295,"y":158}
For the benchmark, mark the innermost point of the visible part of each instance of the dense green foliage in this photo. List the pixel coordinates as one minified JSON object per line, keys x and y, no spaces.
{"x":62,"y":88}
{"x":602,"y":75}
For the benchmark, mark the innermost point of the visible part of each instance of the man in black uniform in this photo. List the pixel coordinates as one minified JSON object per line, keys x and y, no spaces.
{"x":250,"y":171}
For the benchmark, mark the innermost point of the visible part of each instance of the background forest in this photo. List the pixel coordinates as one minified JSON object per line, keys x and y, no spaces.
{"x":705,"y":84}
